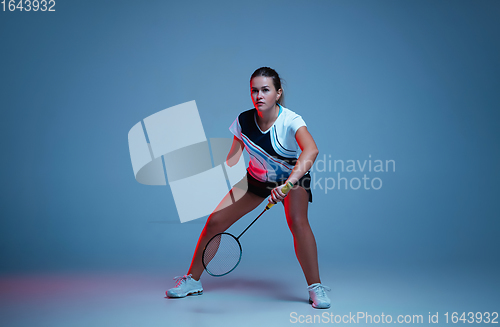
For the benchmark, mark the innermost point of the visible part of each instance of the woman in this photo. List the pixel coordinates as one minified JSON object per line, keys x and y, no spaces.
{"x":272,"y":135}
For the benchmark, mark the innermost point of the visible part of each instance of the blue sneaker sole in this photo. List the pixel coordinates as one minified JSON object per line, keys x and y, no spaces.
{"x":195,"y":293}
{"x":181,"y":296}
{"x":319,"y":307}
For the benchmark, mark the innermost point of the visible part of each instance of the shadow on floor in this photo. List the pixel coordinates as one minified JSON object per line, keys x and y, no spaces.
{"x":271,"y":288}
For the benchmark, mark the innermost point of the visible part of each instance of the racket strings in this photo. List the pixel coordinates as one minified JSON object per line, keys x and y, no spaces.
{"x":222,"y":254}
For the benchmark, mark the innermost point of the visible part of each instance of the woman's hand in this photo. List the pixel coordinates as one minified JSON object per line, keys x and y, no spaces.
{"x":277,"y":195}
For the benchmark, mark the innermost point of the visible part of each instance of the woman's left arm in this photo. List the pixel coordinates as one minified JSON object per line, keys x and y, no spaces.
{"x":304,"y":162}
{"x":307,"y":157}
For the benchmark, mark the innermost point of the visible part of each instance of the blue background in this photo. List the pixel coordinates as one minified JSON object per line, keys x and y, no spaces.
{"x":411,"y":81}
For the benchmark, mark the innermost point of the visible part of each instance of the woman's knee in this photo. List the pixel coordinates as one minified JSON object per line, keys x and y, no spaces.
{"x":213,"y":227}
{"x":215,"y":224}
{"x":297,"y":222}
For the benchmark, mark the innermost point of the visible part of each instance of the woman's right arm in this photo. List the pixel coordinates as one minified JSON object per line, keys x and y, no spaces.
{"x":235,"y":153}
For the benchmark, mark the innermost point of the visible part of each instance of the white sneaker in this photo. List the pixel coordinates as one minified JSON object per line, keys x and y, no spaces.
{"x":185,"y":285}
{"x":318,"y":297}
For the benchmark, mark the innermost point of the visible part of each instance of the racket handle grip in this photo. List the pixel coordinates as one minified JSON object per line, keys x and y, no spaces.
{"x":285,"y":190}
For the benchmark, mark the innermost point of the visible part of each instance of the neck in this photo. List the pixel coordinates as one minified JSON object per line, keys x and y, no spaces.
{"x":268,"y":116}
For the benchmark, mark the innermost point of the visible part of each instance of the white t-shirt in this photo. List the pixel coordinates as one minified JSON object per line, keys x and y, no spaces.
{"x":273,"y":153}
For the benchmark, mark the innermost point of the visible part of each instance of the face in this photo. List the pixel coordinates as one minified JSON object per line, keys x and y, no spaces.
{"x":264,"y":94}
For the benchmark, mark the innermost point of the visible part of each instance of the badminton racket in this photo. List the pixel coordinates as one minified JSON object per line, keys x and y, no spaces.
{"x":223,"y":252}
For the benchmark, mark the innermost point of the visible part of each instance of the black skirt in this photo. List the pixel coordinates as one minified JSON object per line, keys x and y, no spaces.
{"x":263,"y":189}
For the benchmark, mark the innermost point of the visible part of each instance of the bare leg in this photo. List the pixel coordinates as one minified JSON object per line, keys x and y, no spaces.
{"x":296,"y":204}
{"x":226,"y":214}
